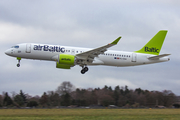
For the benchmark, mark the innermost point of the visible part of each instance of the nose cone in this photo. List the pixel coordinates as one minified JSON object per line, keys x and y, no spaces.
{"x":7,"y":52}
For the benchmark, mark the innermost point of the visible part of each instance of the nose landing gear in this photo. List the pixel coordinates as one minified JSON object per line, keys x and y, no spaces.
{"x":84,"y":70}
{"x":19,"y":59}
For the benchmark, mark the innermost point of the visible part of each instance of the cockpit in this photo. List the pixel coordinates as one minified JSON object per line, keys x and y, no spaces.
{"x":15,"y":46}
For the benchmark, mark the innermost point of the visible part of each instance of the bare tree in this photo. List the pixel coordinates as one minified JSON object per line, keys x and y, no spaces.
{"x":166,"y":98}
{"x":104,"y":96}
{"x":44,"y":100}
{"x":13,"y":94}
{"x":65,"y":87}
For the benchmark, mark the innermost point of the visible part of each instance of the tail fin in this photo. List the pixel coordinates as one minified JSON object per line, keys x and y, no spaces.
{"x":155,"y":44}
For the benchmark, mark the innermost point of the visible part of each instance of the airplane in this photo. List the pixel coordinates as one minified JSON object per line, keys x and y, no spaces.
{"x":67,"y":57}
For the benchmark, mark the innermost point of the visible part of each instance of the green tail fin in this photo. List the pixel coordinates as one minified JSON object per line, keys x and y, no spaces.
{"x":155,"y":44}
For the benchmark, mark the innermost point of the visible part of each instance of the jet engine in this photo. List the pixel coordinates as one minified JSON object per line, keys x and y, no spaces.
{"x":65,"y":61}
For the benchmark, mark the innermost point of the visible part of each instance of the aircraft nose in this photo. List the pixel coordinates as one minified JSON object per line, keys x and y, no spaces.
{"x":7,"y":52}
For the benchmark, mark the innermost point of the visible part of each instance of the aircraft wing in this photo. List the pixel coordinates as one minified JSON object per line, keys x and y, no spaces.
{"x":89,"y":56}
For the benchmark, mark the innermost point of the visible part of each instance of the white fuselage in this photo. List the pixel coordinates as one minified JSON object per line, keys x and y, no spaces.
{"x":109,"y":58}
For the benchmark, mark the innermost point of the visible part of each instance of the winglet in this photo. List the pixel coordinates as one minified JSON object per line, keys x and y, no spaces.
{"x":116,"y":41}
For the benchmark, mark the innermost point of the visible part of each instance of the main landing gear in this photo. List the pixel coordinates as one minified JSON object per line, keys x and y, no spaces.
{"x":19,"y":59}
{"x":84,"y":70}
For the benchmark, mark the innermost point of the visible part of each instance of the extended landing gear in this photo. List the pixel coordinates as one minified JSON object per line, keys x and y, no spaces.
{"x":18,"y":65}
{"x":19,"y":59}
{"x":84,"y":70}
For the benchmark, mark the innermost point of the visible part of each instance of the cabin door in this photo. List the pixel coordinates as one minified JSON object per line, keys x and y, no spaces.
{"x":28,"y":48}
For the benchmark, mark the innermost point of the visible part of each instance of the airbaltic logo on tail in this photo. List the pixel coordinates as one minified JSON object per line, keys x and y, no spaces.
{"x":147,"y":49}
{"x":49,"y":48}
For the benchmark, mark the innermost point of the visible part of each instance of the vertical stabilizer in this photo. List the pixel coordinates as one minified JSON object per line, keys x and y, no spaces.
{"x":155,"y":44}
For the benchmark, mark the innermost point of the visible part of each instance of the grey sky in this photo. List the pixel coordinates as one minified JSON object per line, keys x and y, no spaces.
{"x":91,"y":24}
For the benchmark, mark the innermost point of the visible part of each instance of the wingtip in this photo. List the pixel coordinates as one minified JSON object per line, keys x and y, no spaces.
{"x":116,"y":41}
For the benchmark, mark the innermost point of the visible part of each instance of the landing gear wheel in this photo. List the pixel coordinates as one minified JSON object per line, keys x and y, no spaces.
{"x":83,"y":71}
{"x":19,"y":59}
{"x":18,"y":65}
{"x":86,"y":69}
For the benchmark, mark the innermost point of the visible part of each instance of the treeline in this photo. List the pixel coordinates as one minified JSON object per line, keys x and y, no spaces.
{"x":67,"y":95}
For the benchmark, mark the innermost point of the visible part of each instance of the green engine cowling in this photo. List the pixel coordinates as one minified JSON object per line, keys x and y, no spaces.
{"x":65,"y":61}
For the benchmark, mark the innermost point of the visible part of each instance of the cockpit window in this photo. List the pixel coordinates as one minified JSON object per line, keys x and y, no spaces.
{"x":15,"y":46}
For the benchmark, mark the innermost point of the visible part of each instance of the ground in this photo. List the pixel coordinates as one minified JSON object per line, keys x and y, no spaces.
{"x":88,"y":114}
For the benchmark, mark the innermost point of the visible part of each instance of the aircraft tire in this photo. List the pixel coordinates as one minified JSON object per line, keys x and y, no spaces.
{"x":86,"y":69}
{"x":83,"y":71}
{"x":18,"y":65}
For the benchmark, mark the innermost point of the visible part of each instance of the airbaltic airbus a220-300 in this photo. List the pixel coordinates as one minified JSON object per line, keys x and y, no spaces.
{"x":67,"y":57}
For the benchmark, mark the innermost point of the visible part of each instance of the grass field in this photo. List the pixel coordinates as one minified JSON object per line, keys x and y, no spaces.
{"x":89,"y":114}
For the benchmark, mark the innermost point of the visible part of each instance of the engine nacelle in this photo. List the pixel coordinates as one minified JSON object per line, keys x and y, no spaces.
{"x":63,"y":66}
{"x":65,"y":61}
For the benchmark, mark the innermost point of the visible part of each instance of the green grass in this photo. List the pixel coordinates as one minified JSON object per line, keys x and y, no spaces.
{"x":87,"y":114}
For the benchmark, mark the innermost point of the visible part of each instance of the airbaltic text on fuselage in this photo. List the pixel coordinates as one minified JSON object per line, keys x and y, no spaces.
{"x":49,"y":48}
{"x":147,"y":49}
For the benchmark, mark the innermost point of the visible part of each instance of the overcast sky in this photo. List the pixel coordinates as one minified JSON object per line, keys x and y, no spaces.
{"x":88,"y":23}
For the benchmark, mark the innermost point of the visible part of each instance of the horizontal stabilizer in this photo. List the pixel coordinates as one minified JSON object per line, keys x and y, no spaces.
{"x":158,"y":56}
